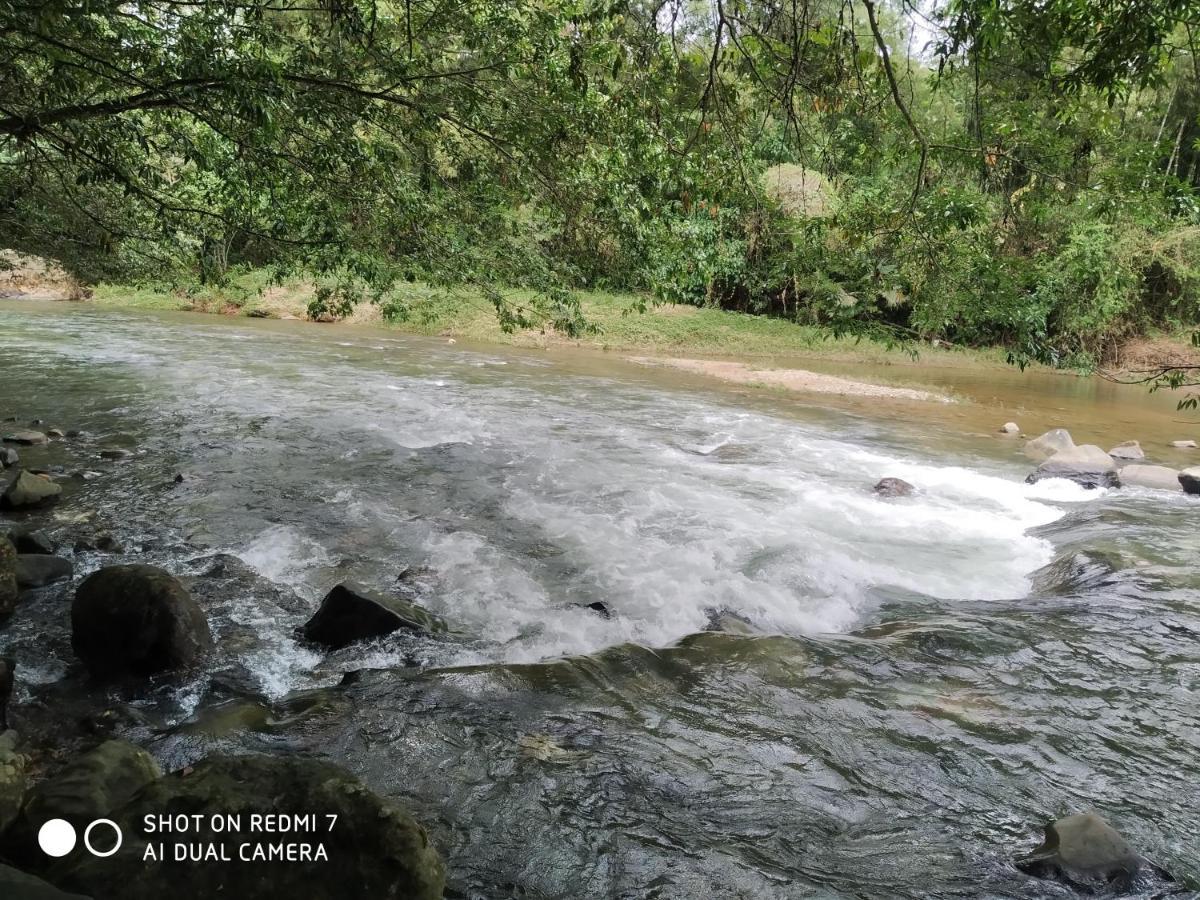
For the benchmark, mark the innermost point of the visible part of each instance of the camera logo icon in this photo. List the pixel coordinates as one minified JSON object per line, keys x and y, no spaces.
{"x":57,"y":837}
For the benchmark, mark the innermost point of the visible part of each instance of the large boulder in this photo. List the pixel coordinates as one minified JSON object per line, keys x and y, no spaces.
{"x":8,"y":578}
{"x":37,"y":569}
{"x":28,"y":489}
{"x":28,"y":438}
{"x":1082,"y":850}
{"x":88,"y":787}
{"x":1127,"y":450}
{"x":1046,"y":445}
{"x":1086,"y":464}
{"x":1160,"y":478}
{"x":372,"y":849}
{"x":13,"y":781}
{"x":1189,"y":480}
{"x":28,"y":540}
{"x":136,"y":619}
{"x":352,"y":613}
{"x":893,"y":487}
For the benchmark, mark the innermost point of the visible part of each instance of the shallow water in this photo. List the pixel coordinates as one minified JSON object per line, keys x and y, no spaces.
{"x":924,"y":682}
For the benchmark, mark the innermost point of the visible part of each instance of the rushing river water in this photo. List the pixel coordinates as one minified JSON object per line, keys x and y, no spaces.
{"x":916,"y":686}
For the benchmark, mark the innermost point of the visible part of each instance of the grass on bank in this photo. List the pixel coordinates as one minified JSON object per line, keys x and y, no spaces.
{"x":463,"y":314}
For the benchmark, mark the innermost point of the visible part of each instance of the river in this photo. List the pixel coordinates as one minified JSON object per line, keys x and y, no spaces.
{"x":917,"y":686}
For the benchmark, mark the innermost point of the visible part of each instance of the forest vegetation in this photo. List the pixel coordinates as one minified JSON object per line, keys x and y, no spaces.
{"x":978,"y":172}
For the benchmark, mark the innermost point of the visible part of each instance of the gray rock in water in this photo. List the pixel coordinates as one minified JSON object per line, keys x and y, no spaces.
{"x":8,"y":578}
{"x":8,"y":457}
{"x":352,"y":613}
{"x":1189,"y":480}
{"x":1086,"y":464}
{"x":28,"y":438}
{"x":1160,"y":478}
{"x":1010,"y":428}
{"x":1082,"y":850}
{"x":54,"y":432}
{"x":1184,"y":445}
{"x":373,"y":849}
{"x":27,"y":490}
{"x":31,"y":541}
{"x":37,"y":569}
{"x":893,"y":487}
{"x":22,"y":886}
{"x":1046,"y":445}
{"x":1127,"y":450}
{"x":136,"y":619}
{"x":115,"y":453}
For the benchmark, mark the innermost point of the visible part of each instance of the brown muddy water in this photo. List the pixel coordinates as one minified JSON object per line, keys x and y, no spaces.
{"x":914,"y":688}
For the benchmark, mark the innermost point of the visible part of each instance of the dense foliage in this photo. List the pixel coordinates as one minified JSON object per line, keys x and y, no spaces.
{"x":978,"y":172}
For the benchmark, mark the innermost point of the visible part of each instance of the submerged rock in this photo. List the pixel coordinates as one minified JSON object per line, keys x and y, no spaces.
{"x":1082,"y":850}
{"x":1189,"y":480}
{"x":352,"y":613}
{"x":599,"y":607}
{"x":115,"y":453}
{"x":1010,"y":428}
{"x":27,"y":490}
{"x":1046,"y":445}
{"x":1160,"y":478}
{"x":87,"y":788}
{"x":1127,"y":450}
{"x":1086,"y":465}
{"x":28,"y":438}
{"x":37,"y":569}
{"x":372,"y":849}
{"x":136,"y":619}
{"x":8,"y":578}
{"x":893,"y":487}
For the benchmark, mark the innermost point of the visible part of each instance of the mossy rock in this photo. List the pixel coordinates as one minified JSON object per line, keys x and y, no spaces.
{"x":13,"y":781}
{"x":374,"y":849}
{"x":8,"y":578}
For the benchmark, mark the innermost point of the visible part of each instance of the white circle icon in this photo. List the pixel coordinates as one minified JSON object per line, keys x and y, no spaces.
{"x":57,"y":837}
{"x":87,"y":838}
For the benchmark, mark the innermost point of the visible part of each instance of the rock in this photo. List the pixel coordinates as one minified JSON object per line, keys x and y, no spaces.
{"x":13,"y":781}
{"x":8,"y":457}
{"x":373,"y":849}
{"x":104,"y":542}
{"x":28,"y":489}
{"x":1010,"y":428}
{"x":115,"y":453}
{"x":37,"y":569}
{"x":136,"y":619}
{"x":1127,"y":450}
{"x":1189,"y":480}
{"x":87,"y":788}
{"x":74,"y":433}
{"x":1086,"y":464}
{"x":600,"y":607}
{"x":352,"y":613}
{"x":22,"y":886}
{"x":893,"y":487}
{"x":28,"y":438}
{"x":1184,"y":445}
{"x":54,"y":433}
{"x":1160,"y":478}
{"x":1046,"y":445}
{"x":1082,"y":850}
{"x":179,"y":478}
{"x":8,"y":578}
{"x":8,"y":671}
{"x":31,"y":541}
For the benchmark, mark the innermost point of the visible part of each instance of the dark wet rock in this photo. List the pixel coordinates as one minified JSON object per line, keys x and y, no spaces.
{"x":74,"y":433}
{"x":38,"y":570}
{"x":1127,"y":450}
{"x":1046,"y":445}
{"x":54,"y":433}
{"x":728,"y":622}
{"x":8,"y":674}
{"x":115,"y":453}
{"x":87,"y":788}
{"x":1159,"y":478}
{"x":102,"y":542}
{"x":599,"y":606}
{"x":893,"y":487}
{"x":8,"y":578}
{"x":31,"y":541}
{"x":1086,"y":465}
{"x":375,"y":846}
{"x":36,"y":422}
{"x":136,"y":619}
{"x":22,"y":886}
{"x":352,"y":613}
{"x":1083,"y":851}
{"x":179,"y":478}
{"x":14,"y":780}
{"x":1189,"y":480}
{"x":28,"y":490}
{"x":1077,"y":573}
{"x":27,"y":438}
{"x":8,"y":457}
